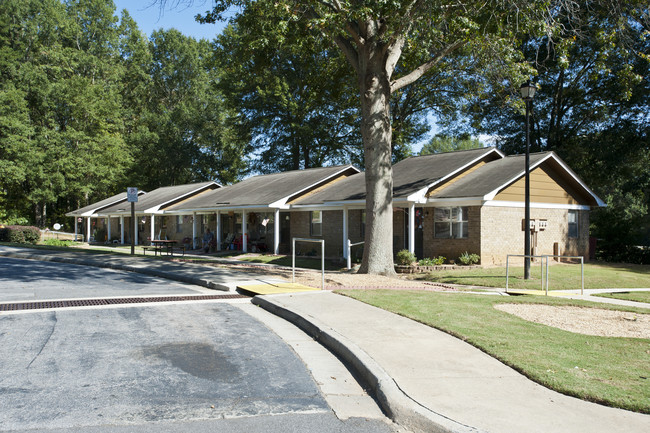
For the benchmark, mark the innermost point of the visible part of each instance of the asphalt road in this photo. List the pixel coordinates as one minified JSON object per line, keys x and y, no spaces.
{"x":189,"y":367}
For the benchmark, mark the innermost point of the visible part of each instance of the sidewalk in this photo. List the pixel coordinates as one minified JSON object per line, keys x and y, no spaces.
{"x":429,"y":381}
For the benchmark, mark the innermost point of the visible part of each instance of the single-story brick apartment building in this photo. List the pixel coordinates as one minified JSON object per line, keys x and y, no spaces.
{"x":443,"y":205}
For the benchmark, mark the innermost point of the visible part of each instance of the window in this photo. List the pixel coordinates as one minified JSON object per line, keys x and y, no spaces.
{"x":316,"y":223}
{"x":573,"y":223}
{"x":179,"y":223}
{"x":450,"y":222}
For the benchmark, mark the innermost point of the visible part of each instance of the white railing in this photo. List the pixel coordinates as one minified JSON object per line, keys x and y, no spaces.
{"x":322,"y":255}
{"x":544,"y":261}
{"x":350,"y":245}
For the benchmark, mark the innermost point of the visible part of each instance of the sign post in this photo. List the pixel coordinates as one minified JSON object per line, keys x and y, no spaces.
{"x":132,"y":197}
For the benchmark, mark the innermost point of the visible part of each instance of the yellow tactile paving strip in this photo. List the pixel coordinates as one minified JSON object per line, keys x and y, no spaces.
{"x":275,"y":288}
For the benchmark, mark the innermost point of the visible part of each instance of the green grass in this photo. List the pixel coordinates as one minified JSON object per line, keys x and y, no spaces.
{"x":561,"y":276}
{"x":628,"y":296}
{"x":611,"y":371}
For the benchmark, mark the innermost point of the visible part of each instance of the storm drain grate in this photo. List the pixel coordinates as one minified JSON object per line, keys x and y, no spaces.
{"x":114,"y":301}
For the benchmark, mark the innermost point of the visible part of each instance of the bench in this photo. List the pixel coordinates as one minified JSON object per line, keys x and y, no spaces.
{"x":152,"y":247}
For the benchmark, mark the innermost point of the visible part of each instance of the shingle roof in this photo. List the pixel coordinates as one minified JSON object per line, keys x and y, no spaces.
{"x":409,"y":176}
{"x":98,"y":206}
{"x":264,"y":190}
{"x":159,"y":197}
{"x":490,"y":177}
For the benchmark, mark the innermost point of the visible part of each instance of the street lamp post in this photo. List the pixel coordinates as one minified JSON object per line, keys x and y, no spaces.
{"x":527,"y":92}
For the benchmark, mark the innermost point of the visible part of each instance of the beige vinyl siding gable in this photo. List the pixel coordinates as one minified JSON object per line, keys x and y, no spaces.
{"x":545,"y":187}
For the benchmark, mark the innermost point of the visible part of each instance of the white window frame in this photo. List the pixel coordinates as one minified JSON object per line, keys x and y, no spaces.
{"x":316,"y":223}
{"x":461,"y":221}
{"x":575,"y":232}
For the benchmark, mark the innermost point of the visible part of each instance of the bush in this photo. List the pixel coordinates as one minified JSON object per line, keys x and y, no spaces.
{"x":469,"y":259}
{"x":59,"y":243}
{"x":437,"y":261}
{"x":20,"y":234}
{"x":405,"y":257}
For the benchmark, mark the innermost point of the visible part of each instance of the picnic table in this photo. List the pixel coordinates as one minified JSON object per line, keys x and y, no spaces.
{"x":160,"y":245}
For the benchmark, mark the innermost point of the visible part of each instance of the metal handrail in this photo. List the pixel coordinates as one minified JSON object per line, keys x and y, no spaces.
{"x":350,"y":245}
{"x":544,"y":257}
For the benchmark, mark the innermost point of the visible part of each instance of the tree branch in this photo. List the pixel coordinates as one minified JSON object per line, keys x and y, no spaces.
{"x":415,"y":74}
{"x":350,"y":53}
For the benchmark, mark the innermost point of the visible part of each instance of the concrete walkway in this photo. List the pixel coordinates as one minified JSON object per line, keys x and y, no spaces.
{"x":429,"y":381}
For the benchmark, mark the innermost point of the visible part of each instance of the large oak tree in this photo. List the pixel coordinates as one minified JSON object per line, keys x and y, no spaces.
{"x":391,"y":44}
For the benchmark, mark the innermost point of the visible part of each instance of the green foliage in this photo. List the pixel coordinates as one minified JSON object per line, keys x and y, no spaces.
{"x":444,"y":143}
{"x":405,"y":257}
{"x":59,"y":243}
{"x":88,"y":106}
{"x":20,"y":234}
{"x":469,"y":259}
{"x":437,"y":261}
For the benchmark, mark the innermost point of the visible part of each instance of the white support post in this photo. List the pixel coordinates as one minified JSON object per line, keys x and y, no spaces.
{"x":122,"y":229}
{"x":153,"y":227}
{"x":108,"y":228}
{"x":276,"y":232}
{"x":244,"y":229}
{"x":88,"y":230}
{"x":412,"y":228}
{"x":345,"y":233}
{"x":194,"y":246}
{"x":135,"y":229}
{"x":75,"y":229}
{"x":219,"y":230}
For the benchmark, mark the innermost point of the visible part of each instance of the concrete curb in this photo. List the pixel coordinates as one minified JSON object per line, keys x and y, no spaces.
{"x":398,"y":406}
{"x":120,"y":267}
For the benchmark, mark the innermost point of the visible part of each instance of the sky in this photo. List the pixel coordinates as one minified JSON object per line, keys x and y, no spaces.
{"x":150,"y":17}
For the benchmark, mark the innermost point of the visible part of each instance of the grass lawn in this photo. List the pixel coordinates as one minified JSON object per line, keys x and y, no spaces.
{"x":611,"y":371}
{"x":628,"y":296}
{"x":561,"y":276}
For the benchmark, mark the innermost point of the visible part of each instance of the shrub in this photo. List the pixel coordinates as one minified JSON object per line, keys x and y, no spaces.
{"x":436,"y":261}
{"x":59,"y":243}
{"x":20,"y":234}
{"x":469,"y":259}
{"x":405,"y":257}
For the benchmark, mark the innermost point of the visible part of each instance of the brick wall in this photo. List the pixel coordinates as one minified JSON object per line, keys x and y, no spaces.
{"x":502,"y":234}
{"x":452,"y":248}
{"x":332,"y":232}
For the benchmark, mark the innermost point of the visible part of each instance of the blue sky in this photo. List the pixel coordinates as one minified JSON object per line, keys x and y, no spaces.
{"x":150,"y":17}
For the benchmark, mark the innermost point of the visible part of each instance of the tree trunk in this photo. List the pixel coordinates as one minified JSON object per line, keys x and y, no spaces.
{"x":374,"y":88}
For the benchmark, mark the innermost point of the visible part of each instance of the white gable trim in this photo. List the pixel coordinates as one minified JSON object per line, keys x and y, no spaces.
{"x":490,"y":196}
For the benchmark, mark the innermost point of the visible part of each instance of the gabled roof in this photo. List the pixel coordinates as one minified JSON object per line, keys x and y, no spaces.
{"x":92,"y":209}
{"x":412,"y":177}
{"x":269,"y":190}
{"x":159,"y":198}
{"x":487,"y":181}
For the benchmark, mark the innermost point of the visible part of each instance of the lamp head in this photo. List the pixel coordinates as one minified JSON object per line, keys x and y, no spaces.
{"x":527,"y":90}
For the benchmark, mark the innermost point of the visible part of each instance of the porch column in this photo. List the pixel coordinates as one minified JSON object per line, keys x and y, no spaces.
{"x":122,"y":229}
{"x":88,"y":231}
{"x":193,"y":230}
{"x":345,"y":232}
{"x":412,"y":228}
{"x":276,"y":232}
{"x":75,"y":228}
{"x":108,"y":229}
{"x":135,"y":229}
{"x":153,"y":227}
{"x":244,"y":229}
{"x":219,"y":230}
